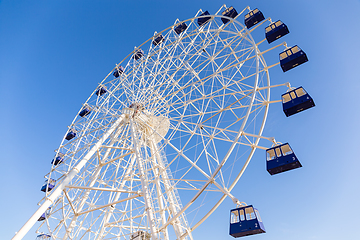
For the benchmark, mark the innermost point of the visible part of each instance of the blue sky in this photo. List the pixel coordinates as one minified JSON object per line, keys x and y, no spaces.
{"x":54,"y":53}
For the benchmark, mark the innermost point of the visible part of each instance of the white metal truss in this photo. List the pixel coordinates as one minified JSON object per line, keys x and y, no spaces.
{"x":168,"y":141}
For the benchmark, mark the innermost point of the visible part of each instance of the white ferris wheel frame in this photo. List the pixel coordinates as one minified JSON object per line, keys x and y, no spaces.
{"x":181,"y":230}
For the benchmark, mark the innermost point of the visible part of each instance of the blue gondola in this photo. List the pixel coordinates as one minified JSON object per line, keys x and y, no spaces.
{"x":280,"y":159}
{"x":229,"y":12}
{"x":58,"y":159}
{"x":292,"y":57}
{"x":118,"y":71}
{"x":202,"y":20}
{"x":70,"y":135}
{"x":245,"y":221}
{"x":101,"y":91}
{"x":44,"y":215}
{"x":138,"y":54}
{"x":253,"y":17}
{"x":86,"y":110}
{"x":49,"y":184}
{"x":296,"y":101}
{"x":43,"y":236}
{"x":180,"y":28}
{"x":158,"y":39}
{"x":275,"y":31}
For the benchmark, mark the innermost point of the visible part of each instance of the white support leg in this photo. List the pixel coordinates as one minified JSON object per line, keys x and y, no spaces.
{"x":58,"y":190}
{"x":144,"y":182}
{"x":177,"y":224}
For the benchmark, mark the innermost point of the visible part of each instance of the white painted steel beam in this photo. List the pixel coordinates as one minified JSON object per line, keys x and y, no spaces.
{"x":58,"y":190}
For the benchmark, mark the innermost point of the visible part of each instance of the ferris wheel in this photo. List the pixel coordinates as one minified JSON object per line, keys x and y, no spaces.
{"x":165,"y":137}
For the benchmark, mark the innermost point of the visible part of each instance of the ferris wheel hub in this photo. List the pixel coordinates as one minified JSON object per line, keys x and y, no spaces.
{"x":136,"y":107}
{"x":153,"y":128}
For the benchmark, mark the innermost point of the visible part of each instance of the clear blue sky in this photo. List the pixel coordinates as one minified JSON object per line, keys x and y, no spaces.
{"x":54,"y":53}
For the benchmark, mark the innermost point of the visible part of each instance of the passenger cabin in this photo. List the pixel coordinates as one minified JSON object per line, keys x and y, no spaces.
{"x":49,"y":184}
{"x":253,"y":17}
{"x":292,"y":57}
{"x":58,"y":159}
{"x":245,"y":221}
{"x":138,"y":54}
{"x":180,"y":28}
{"x":86,"y":110}
{"x":203,"y":20}
{"x":229,"y":12}
{"x":158,"y":39}
{"x":275,"y":31}
{"x":296,"y":101}
{"x":43,"y":237}
{"x":70,"y":135}
{"x":101,"y":90}
{"x":280,"y":159}
{"x":118,"y":71}
{"x":44,"y":215}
